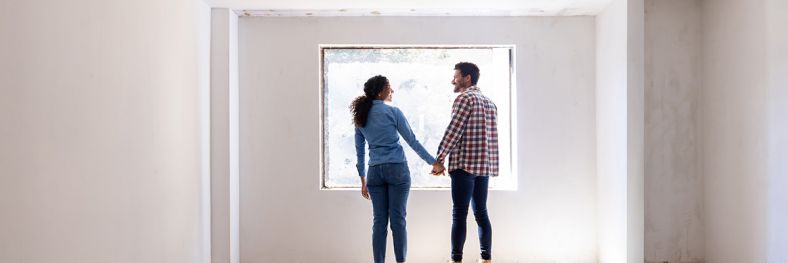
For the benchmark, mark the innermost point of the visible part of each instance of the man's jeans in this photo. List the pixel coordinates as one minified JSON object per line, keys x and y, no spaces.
{"x":389,"y":185}
{"x":468,"y":188}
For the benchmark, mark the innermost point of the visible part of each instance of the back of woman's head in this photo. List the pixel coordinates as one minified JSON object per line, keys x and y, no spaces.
{"x":362,"y":104}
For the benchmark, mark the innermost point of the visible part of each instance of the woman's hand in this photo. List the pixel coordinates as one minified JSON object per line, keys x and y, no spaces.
{"x":364,"y":191}
{"x":438,"y":169}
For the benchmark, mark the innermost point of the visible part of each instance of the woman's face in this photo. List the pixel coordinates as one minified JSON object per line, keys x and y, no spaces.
{"x":387,"y":93}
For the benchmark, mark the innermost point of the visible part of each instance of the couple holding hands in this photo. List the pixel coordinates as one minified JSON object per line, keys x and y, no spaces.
{"x":470,"y":142}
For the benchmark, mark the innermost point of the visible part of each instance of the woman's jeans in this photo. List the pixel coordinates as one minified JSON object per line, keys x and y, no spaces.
{"x":389,"y":185}
{"x":468,"y":188}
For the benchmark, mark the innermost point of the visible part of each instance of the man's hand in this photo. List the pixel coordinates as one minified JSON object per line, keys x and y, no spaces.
{"x":438,"y":169}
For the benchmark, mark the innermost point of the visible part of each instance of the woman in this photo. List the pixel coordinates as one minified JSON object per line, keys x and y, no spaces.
{"x":388,"y":180}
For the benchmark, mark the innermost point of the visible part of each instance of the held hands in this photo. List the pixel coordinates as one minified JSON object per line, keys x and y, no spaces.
{"x":438,"y":169}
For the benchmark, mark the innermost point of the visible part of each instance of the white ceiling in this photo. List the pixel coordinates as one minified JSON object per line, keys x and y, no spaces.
{"x":414,"y":7}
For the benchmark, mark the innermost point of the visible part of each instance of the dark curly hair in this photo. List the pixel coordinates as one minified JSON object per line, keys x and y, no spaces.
{"x":361,"y":105}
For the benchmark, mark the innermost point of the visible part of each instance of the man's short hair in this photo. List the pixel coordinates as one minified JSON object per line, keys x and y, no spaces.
{"x":466,"y":68}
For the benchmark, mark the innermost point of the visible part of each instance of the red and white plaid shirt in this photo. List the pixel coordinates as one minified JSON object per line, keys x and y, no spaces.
{"x":471,"y":139}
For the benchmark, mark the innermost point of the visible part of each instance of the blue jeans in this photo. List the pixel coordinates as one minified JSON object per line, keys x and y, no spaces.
{"x":468,"y":188}
{"x":389,"y":185}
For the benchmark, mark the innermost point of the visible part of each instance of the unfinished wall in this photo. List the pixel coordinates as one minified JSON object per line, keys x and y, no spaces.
{"x":673,"y":176}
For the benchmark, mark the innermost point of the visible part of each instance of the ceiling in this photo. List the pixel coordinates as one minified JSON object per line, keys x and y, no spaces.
{"x":413,"y":7}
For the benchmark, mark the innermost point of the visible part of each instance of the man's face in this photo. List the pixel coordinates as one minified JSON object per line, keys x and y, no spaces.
{"x":459,"y":81}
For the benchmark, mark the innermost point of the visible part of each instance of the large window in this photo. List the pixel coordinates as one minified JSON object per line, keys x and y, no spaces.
{"x":421,"y":78}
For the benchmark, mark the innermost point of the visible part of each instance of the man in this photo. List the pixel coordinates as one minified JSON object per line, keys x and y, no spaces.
{"x":471,"y":141}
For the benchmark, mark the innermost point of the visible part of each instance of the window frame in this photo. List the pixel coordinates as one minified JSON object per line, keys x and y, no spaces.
{"x":323,"y":111}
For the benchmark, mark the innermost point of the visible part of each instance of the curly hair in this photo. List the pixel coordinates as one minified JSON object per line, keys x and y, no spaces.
{"x":362,"y":104}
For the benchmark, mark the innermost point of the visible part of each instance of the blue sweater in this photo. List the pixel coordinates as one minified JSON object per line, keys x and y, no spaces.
{"x":383,"y":125}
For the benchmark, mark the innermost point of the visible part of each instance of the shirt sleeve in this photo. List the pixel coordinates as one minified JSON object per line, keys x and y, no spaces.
{"x":459,"y":116}
{"x":407,"y":134}
{"x":360,"y":143}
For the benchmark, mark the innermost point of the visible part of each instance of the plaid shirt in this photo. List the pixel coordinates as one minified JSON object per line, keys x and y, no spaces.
{"x":471,"y":139}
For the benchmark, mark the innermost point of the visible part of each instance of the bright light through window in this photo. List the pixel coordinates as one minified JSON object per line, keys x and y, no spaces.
{"x":421,"y":79}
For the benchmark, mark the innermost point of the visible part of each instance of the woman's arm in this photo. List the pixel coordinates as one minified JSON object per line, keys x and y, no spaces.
{"x":360,"y":142}
{"x":404,"y":129}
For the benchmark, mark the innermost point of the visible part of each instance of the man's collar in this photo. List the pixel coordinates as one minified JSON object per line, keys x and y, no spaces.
{"x":472,"y":88}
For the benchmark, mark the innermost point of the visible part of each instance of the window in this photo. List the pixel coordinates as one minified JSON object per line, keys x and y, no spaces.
{"x":421,"y":78}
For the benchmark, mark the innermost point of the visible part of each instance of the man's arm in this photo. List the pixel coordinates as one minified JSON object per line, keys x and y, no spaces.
{"x":459,"y":116}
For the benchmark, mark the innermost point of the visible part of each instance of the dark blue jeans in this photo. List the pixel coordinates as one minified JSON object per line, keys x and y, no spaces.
{"x":468,"y":188}
{"x":389,"y":186}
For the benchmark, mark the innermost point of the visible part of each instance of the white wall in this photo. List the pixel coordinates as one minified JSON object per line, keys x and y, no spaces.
{"x":735,"y":130}
{"x":673,"y":176}
{"x":635,"y":129}
{"x":285,"y":218}
{"x":620,"y":131}
{"x":100,"y":131}
{"x":224,"y":136}
{"x":611,"y":131}
{"x":777,"y":48}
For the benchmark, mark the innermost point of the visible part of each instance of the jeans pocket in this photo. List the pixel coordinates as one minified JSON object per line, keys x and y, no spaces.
{"x":402,"y":173}
{"x":373,"y":176}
